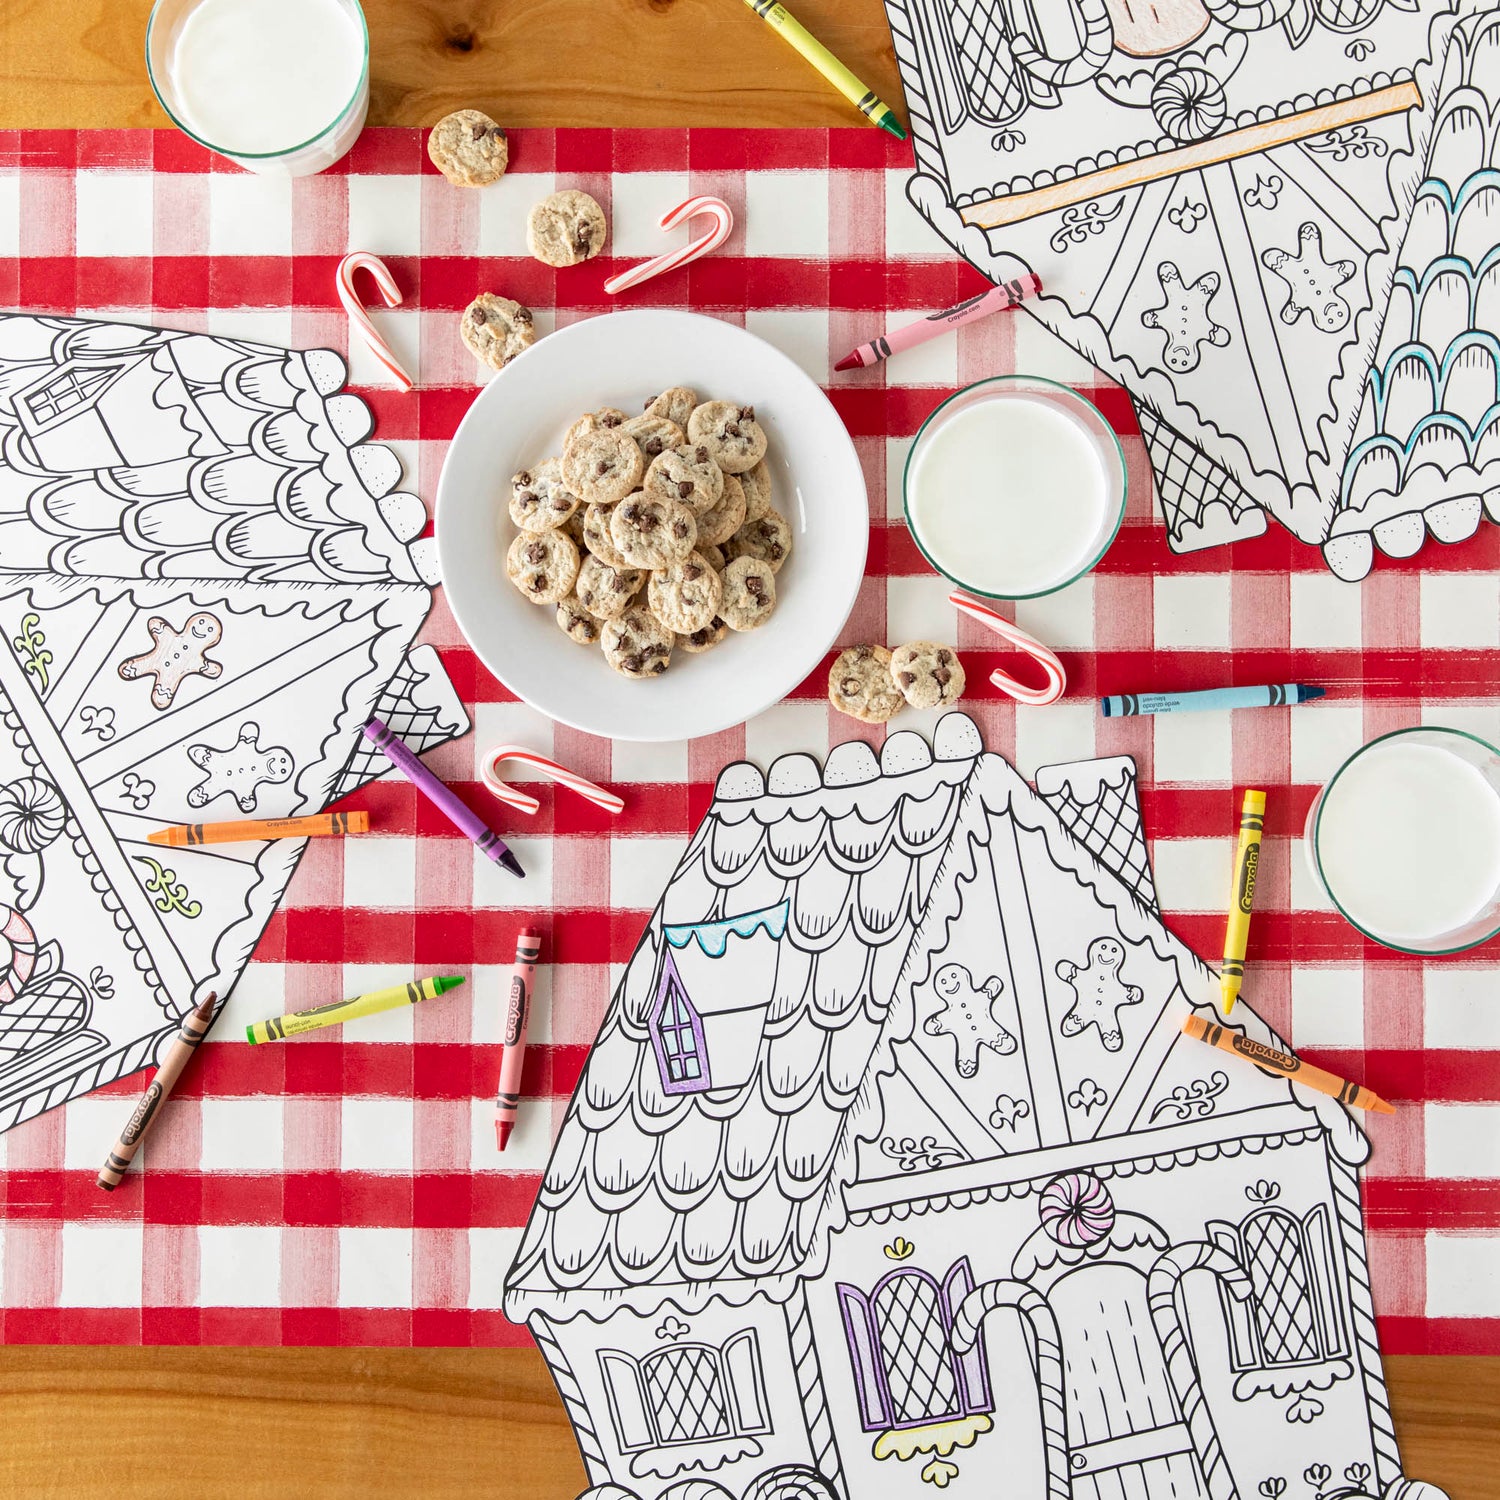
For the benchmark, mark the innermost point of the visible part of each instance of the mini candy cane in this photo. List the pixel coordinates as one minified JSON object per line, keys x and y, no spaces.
{"x":524,"y":801}
{"x":361,"y":260}
{"x":1057,"y":679}
{"x":723,"y":224}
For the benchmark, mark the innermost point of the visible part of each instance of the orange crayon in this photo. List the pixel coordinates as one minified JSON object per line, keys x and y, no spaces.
{"x":1353,"y":1094}
{"x":194,"y":1028}
{"x":246,"y":830}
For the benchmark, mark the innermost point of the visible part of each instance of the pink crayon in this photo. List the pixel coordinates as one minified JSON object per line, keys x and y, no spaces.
{"x":517,"y":1014}
{"x":1002,"y":298}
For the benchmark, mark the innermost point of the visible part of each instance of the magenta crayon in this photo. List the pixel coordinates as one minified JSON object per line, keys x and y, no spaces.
{"x":1002,"y":298}
{"x":517,"y":1015}
{"x":470,"y":824}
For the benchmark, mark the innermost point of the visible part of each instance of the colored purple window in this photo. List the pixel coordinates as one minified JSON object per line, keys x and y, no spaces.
{"x":677,"y":1036}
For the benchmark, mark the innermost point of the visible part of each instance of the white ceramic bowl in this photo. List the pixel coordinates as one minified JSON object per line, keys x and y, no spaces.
{"x":622,"y":359}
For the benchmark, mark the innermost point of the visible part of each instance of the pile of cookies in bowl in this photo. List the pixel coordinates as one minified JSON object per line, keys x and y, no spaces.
{"x":652,"y":534}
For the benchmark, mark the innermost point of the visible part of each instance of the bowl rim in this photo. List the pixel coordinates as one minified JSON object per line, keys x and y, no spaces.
{"x":1013,"y":384}
{"x":796,"y":377}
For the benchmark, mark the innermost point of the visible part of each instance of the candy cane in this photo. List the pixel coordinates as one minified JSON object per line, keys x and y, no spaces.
{"x":723,"y":225}
{"x":362,"y":260}
{"x":524,"y":801}
{"x":1057,"y":679}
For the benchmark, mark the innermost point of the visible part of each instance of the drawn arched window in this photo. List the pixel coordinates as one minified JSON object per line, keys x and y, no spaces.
{"x":686,"y":1393}
{"x":906,"y":1372}
{"x":677,"y":1033}
{"x":1295,"y":1314}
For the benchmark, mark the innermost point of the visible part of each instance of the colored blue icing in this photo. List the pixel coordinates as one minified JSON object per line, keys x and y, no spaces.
{"x":713,"y":937}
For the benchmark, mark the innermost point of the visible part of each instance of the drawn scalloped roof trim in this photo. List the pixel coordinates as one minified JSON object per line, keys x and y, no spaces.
{"x":713,"y":937}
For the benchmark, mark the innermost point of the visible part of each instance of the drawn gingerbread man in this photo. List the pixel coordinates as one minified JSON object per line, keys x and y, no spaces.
{"x":1184,"y":317}
{"x":240,"y":770}
{"x":967,"y":1017}
{"x":176,"y":654}
{"x":1099,"y":993}
{"x":1312,"y":282}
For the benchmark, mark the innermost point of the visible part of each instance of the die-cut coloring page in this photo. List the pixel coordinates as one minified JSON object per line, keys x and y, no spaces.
{"x":1273,"y":221}
{"x":892,"y":1171}
{"x":209,"y":581}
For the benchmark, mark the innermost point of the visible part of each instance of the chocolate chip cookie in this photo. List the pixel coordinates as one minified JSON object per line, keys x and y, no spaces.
{"x":756,"y":483}
{"x":686,"y":474}
{"x":468,"y":148}
{"x":675,"y":404}
{"x":769,"y":539}
{"x":543,"y":565}
{"x":566,"y":229}
{"x":860,"y":684}
{"x":604,"y":590}
{"x":929,"y":675}
{"x":731,"y":434}
{"x":495,"y":329}
{"x":602,"y":465}
{"x":749,"y":594}
{"x":716,"y":526}
{"x":539,"y":500}
{"x":606,"y":416}
{"x":596,"y":537}
{"x":685,"y":596}
{"x":654,"y":435}
{"x":651,"y":532}
{"x":576,"y":622}
{"x":698,"y":641}
{"x":637,"y":644}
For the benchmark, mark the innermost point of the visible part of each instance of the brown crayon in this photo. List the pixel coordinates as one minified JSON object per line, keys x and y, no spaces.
{"x":1355,"y":1095}
{"x":246,"y":830}
{"x":194,"y":1028}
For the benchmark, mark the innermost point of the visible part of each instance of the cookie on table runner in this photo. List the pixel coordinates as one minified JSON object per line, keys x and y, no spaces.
{"x":756,"y":484}
{"x":685,"y":597}
{"x":576,"y":622}
{"x":731,"y":434}
{"x":539,"y":500}
{"x":606,"y":416}
{"x":495,"y":329}
{"x":566,"y":229}
{"x":543,"y":565}
{"x":928,"y":675}
{"x":749,"y":594}
{"x":654,"y":435}
{"x":686,"y":474}
{"x":602,"y":465}
{"x":768,"y":539}
{"x":716,"y":526}
{"x":605,"y":590}
{"x":675,"y":404}
{"x":699,"y":641}
{"x":596,"y":537}
{"x":651,"y":532}
{"x":468,"y":148}
{"x":637,"y":644}
{"x":860,"y":683}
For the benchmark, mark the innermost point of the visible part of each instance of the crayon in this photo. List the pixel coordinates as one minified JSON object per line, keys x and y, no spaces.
{"x":866,"y":101}
{"x":470,"y":824}
{"x":1354,"y":1094}
{"x":1242,"y":898}
{"x":245,"y":830}
{"x":1002,"y":298}
{"x":517,"y":1015}
{"x":295,"y":1022}
{"x":1275,"y":695}
{"x":194,"y":1028}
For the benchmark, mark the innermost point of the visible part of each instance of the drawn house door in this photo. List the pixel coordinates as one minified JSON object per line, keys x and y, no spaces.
{"x":1126,"y":1436}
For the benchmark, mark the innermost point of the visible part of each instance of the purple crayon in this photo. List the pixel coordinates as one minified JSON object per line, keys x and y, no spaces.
{"x":470,"y":824}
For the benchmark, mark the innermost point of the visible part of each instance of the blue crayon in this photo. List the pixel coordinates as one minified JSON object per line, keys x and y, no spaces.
{"x":1277,"y":695}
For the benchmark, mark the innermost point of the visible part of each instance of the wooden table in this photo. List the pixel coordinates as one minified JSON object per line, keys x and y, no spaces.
{"x":164,"y":1423}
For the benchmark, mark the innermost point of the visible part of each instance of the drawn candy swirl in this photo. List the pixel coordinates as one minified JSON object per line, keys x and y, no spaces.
{"x":17,"y":953}
{"x":1076,"y":1210}
{"x":31,"y":815}
{"x":1189,"y":104}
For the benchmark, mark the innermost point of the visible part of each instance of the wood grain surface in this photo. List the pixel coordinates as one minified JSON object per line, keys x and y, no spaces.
{"x":182,"y":1424}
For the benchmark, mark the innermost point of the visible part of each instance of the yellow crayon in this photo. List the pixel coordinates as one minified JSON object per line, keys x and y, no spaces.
{"x":294,"y":1023}
{"x":865,"y":100}
{"x":1242,"y":898}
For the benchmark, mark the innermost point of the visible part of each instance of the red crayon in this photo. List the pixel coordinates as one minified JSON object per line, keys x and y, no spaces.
{"x":517,"y":1014}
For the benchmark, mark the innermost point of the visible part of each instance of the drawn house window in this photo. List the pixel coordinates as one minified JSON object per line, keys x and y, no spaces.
{"x":686,"y":1393}
{"x":1295,"y":1313}
{"x":71,"y":387}
{"x":905,"y":1370}
{"x":975,"y":37}
{"x":677,"y":1031}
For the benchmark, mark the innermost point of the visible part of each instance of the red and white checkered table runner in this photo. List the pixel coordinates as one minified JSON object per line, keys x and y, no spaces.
{"x":344,"y":1188}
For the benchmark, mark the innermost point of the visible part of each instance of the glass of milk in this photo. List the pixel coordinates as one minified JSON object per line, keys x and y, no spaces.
{"x":1406,"y":840}
{"x":278,"y":86}
{"x":1015,"y":487}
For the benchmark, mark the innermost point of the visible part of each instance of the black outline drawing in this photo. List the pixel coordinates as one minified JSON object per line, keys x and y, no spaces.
{"x":1277,"y":399}
{"x":196,"y":492}
{"x":1072,"y":1263}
